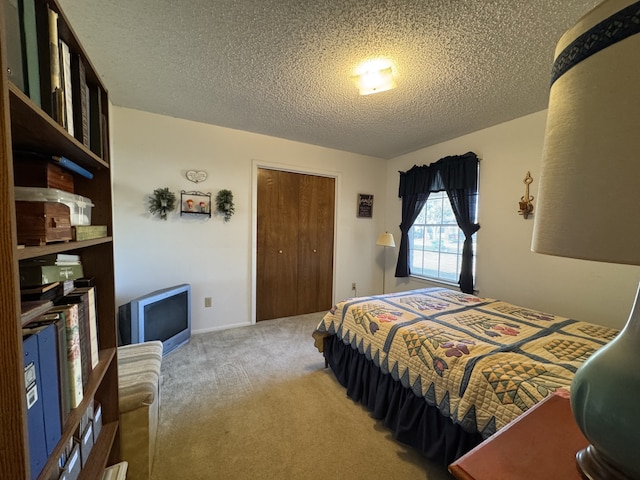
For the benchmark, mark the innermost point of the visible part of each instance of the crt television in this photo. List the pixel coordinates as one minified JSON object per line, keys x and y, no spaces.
{"x":163,"y":315}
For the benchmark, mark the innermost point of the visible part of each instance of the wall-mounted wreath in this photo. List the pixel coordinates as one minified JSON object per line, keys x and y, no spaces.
{"x":224,"y":204}
{"x":162,"y":202}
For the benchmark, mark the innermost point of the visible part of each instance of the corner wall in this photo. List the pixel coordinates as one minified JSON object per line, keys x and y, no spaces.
{"x":150,"y":151}
{"x":506,"y":268}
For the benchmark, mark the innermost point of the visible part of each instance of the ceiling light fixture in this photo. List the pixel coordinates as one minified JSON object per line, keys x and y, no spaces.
{"x":374,"y":76}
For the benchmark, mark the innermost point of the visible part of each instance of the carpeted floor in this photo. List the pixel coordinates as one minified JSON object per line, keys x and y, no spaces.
{"x":257,"y":403}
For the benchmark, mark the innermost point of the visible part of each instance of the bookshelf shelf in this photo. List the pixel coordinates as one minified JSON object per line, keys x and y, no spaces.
{"x":34,"y":252}
{"x":25,"y":126}
{"x":33,"y":129}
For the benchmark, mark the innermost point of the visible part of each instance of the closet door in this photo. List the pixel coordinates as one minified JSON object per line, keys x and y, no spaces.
{"x":277,"y":255}
{"x":315,"y":246}
{"x":295,"y":244}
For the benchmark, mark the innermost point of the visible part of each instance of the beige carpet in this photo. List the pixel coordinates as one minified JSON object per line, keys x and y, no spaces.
{"x":257,"y":403}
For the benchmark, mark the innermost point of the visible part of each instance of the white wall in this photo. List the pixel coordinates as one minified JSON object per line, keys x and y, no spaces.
{"x":151,"y":151}
{"x":506,"y":267}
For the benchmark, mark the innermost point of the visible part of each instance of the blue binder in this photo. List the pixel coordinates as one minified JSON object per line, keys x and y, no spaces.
{"x":48,"y":353}
{"x":35,"y":416}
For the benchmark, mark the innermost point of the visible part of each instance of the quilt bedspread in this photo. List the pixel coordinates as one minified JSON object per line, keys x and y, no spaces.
{"x":481,"y":361}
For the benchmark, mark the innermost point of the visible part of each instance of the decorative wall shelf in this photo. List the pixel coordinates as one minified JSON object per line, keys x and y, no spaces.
{"x":195,"y":203}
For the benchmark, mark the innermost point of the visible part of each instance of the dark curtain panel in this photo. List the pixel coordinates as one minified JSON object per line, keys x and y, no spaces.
{"x":414,"y":191}
{"x":460,"y":179}
{"x":458,"y":176}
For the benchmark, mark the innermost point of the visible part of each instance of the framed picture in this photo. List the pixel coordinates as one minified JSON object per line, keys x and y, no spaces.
{"x":365,"y":205}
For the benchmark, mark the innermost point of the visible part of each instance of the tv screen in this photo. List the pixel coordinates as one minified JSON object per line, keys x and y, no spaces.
{"x":163,"y":315}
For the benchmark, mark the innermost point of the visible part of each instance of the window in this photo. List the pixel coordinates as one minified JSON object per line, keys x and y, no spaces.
{"x":436,"y":241}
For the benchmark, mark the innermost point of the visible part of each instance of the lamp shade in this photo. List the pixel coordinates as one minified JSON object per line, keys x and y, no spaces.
{"x":588,"y":197}
{"x":386,"y":240}
{"x":588,"y":208}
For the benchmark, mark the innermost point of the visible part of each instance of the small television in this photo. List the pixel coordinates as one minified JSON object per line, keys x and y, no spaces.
{"x":163,"y":315}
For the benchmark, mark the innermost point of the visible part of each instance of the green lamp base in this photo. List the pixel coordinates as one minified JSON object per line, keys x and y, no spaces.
{"x":594,"y":466}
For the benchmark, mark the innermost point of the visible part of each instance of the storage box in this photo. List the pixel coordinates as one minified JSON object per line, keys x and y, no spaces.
{"x":79,"y":206}
{"x":39,"y":223}
{"x":43,"y":274}
{"x":34,"y":172}
{"x":88,"y":232}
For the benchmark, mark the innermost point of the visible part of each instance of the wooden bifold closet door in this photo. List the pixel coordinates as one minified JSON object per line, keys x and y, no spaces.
{"x":294,"y":267}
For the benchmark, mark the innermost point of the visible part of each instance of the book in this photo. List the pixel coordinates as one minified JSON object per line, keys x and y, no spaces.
{"x":57,"y":319}
{"x":32,"y":309}
{"x":49,"y":291}
{"x":88,"y":296}
{"x":80,"y":99}
{"x":57,"y":92}
{"x":95,"y":120}
{"x":54,"y":259}
{"x":35,"y":413}
{"x":49,"y":385}
{"x":44,"y":56}
{"x":74,"y":360}
{"x":15,"y":52}
{"x":41,"y":274}
{"x":88,"y":232}
{"x":29,"y":39}
{"x":65,"y":72}
{"x":82,"y":303}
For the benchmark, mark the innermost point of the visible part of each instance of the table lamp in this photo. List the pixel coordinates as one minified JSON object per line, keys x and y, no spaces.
{"x":589,"y":208}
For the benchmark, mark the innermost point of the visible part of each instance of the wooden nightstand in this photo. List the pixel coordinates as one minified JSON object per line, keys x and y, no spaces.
{"x":540,"y":444}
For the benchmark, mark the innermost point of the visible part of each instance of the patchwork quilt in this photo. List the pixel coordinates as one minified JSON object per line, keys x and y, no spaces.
{"x":481,"y":361}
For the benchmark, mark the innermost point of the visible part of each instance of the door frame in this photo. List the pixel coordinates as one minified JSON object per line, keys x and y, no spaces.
{"x":257,"y":164}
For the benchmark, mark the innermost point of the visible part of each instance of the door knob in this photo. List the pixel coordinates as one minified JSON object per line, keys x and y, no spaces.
{"x":314,"y":250}
{"x":279,"y":251}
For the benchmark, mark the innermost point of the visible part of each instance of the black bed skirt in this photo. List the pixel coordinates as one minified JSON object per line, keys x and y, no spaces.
{"x":412,"y":420}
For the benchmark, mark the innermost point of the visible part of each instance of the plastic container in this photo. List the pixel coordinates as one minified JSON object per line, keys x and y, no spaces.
{"x":79,"y":206}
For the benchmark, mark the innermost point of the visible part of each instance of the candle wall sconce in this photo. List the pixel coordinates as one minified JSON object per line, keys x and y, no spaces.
{"x":526,"y":207}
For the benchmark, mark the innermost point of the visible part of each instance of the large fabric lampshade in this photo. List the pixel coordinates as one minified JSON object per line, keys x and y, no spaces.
{"x":588,"y":208}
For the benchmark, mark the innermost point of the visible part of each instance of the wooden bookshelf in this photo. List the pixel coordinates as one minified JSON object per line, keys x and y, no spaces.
{"x":26,"y":126}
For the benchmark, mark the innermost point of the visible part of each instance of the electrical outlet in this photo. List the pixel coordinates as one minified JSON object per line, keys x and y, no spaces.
{"x":207,"y":301}
{"x":353,"y":286}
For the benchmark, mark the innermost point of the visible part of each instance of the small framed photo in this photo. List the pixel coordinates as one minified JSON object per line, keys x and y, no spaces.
{"x":365,"y":205}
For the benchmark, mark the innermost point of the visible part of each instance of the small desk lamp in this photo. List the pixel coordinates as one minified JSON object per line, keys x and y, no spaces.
{"x":589,"y":208}
{"x":386,"y":240}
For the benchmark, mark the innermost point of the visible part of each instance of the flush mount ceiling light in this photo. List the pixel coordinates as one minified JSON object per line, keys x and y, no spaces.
{"x":374,"y":76}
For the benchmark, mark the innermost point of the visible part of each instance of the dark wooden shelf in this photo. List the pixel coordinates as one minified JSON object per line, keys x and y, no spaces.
{"x":33,"y":129}
{"x":33,"y":252}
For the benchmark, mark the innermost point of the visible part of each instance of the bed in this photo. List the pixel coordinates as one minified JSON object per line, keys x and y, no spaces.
{"x":445,"y":370}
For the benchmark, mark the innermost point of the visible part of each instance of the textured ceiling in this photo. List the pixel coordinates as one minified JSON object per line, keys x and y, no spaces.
{"x":283,"y":67}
